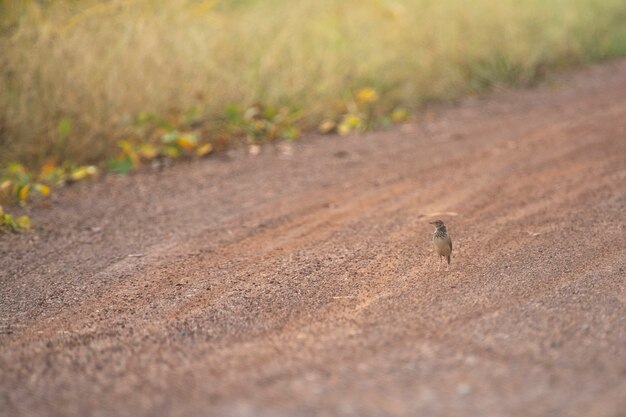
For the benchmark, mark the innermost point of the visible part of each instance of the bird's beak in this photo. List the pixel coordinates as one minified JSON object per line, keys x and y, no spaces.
{"x":431,"y":222}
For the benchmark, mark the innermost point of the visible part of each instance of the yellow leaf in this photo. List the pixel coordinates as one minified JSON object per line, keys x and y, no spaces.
{"x":129,"y":151}
{"x":125,"y":145}
{"x":344,"y":129}
{"x":366,"y":95}
{"x":187,"y":141}
{"x":23,"y":222}
{"x":83,"y":172}
{"x":147,"y":151}
{"x":327,"y":126}
{"x":171,"y":151}
{"x":43,"y":189}
{"x":1,"y":212}
{"x":22,"y":195}
{"x":78,"y":174}
{"x":399,"y":115}
{"x":205,"y":149}
{"x":349,"y":123}
{"x":353,"y":121}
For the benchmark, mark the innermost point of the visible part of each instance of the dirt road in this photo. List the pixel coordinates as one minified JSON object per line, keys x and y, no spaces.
{"x":301,"y":281}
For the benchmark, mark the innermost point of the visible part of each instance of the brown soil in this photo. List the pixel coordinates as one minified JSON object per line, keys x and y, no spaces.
{"x":301,"y":281}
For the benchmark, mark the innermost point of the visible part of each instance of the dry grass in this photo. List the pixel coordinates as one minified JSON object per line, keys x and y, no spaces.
{"x":100,"y":64}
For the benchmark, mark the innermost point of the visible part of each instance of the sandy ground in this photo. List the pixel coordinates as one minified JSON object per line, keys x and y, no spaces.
{"x":301,"y":281}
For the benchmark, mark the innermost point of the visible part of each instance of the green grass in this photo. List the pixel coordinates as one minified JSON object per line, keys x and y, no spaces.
{"x":75,"y":77}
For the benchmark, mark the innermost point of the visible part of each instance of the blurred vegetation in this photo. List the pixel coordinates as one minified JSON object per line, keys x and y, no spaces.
{"x":18,"y":184}
{"x":124,"y":80}
{"x":8,"y":223}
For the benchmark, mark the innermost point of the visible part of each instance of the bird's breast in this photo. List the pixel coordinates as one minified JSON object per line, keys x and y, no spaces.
{"x":442,"y":244}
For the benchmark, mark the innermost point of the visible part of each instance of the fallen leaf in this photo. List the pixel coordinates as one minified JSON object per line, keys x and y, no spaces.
{"x":42,"y":189}
{"x":327,"y":126}
{"x":187,"y":141}
{"x":129,"y":151}
{"x":147,"y":151}
{"x":399,"y":115}
{"x":121,"y":165}
{"x":366,"y":95}
{"x":22,"y":194}
{"x":23,"y":222}
{"x":170,"y":137}
{"x":204,"y":150}
{"x":82,"y":172}
{"x":171,"y":151}
{"x":349,"y":123}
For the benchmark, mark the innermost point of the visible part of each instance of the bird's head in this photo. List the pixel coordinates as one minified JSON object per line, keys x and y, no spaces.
{"x":438,"y":224}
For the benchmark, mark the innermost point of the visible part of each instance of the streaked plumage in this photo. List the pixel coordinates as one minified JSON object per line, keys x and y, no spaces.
{"x":442,"y":241}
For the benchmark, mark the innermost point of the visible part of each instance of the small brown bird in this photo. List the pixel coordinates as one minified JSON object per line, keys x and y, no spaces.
{"x":442,"y":242}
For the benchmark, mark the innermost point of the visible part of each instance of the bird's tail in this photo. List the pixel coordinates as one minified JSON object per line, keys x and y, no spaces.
{"x":448,"y":259}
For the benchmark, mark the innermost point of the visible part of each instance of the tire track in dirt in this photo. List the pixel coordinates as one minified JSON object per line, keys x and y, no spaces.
{"x":303,"y":284}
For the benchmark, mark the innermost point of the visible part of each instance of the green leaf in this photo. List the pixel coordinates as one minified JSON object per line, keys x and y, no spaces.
{"x":290,"y":133}
{"x":191,"y":115}
{"x":144,"y":118}
{"x":122,"y":165}
{"x":64,"y":128}
{"x":8,"y":221}
{"x":270,"y":112}
{"x":233,"y":113}
{"x":14,"y":168}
